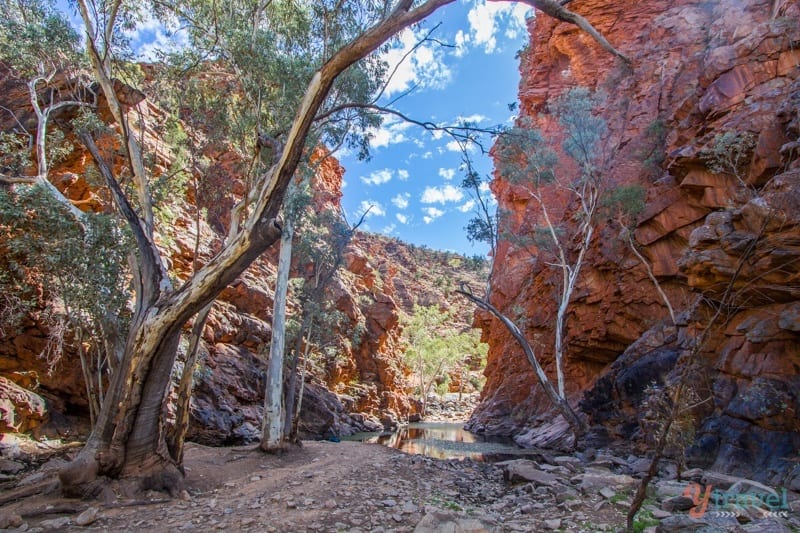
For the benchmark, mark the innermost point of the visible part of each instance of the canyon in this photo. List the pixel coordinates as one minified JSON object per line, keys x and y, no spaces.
{"x":714,"y":240}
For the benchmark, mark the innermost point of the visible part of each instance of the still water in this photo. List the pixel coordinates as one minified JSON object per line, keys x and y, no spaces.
{"x":444,"y":441}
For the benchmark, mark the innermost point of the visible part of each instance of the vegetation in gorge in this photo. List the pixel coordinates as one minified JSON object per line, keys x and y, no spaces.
{"x":434,"y":349}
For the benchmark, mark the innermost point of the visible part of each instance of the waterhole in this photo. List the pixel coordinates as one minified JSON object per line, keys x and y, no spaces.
{"x":445,"y":441}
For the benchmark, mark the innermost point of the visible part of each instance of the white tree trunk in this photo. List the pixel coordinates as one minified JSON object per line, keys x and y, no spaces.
{"x":272,"y":429}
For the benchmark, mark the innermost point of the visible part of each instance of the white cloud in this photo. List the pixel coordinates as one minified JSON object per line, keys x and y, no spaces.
{"x":371,"y":208}
{"x":486,"y":19}
{"x":475,"y":118}
{"x":150,"y":37}
{"x":388,"y":133}
{"x":402,"y":174}
{"x":401,"y":200}
{"x":462,"y":42}
{"x":467,"y":206}
{"x":162,"y":42}
{"x":424,"y":67}
{"x":388,"y":229}
{"x":441,"y":195}
{"x":447,"y":173}
{"x":378,"y":177}
{"x":431,"y":214}
{"x":455,"y":146}
{"x":427,"y":155}
{"x":401,"y":218}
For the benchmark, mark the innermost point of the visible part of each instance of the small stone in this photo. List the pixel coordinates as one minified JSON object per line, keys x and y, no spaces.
{"x":409,"y":507}
{"x":330,"y":504}
{"x":87,"y":517}
{"x":552,"y":524}
{"x":607,"y":493}
{"x":397,"y":518}
{"x":660,"y":514}
{"x":255,"y":478}
{"x":7,"y":466}
{"x":55,"y":523}
{"x":10,"y":520}
{"x":677,"y":503}
{"x":389,"y":503}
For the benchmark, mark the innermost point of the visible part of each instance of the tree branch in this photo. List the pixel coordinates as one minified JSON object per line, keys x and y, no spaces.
{"x":557,"y":10}
{"x":578,"y":426}
{"x":153,"y":275}
{"x":457,"y":132}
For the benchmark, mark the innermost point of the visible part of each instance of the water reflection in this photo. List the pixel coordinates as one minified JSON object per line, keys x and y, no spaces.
{"x":444,"y":441}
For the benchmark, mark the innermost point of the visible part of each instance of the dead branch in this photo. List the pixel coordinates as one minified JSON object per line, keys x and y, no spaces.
{"x":578,"y":426}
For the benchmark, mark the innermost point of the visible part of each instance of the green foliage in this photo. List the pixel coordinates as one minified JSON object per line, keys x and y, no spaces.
{"x":730,"y":153}
{"x":654,"y":153}
{"x":644,"y":519}
{"x":88,"y":121}
{"x":58,"y":148}
{"x":35,"y":39}
{"x":523,"y":157}
{"x":47,"y":255}
{"x":584,"y":131}
{"x":273,"y":50}
{"x":15,"y":154}
{"x":479,"y":230}
{"x":434,"y":347}
{"x":168,"y":188}
{"x":483,"y":226}
{"x":626,"y":202}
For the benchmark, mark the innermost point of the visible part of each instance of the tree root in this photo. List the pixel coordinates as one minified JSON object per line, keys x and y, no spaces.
{"x":43,"y":487}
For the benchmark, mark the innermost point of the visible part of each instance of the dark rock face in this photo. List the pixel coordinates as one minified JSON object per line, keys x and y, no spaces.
{"x":730,"y":239}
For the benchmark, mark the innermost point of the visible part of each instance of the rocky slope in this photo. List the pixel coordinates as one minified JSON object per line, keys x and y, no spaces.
{"x":356,"y":366}
{"x":699,"y":70}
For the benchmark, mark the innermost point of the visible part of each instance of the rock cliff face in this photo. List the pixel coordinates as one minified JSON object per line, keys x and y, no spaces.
{"x":714,"y":238}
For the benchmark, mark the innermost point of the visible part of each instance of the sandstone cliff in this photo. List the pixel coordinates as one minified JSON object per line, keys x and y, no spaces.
{"x":699,"y":70}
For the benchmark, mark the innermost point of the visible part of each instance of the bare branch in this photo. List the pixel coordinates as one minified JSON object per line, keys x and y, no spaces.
{"x":559,"y":12}
{"x":578,"y":426}
{"x":457,"y":132}
{"x":153,"y":276}
{"x":13,"y":180}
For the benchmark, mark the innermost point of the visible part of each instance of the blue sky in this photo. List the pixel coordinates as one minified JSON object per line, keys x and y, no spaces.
{"x":411,"y":184}
{"x":413,"y":179}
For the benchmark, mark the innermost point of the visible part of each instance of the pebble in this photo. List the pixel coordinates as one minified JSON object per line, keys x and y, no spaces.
{"x":552,"y":524}
{"x":55,"y":523}
{"x":87,"y":517}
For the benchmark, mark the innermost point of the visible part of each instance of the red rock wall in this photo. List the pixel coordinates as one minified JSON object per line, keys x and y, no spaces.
{"x":698,"y":69}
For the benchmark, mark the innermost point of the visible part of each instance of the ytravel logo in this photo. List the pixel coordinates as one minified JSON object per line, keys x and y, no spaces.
{"x":730,"y":503}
